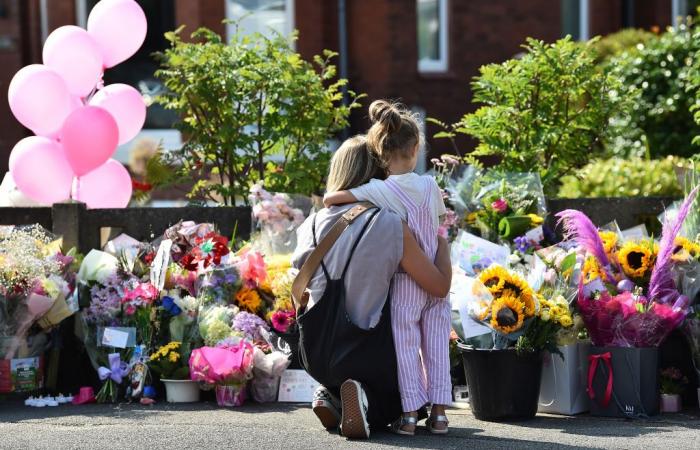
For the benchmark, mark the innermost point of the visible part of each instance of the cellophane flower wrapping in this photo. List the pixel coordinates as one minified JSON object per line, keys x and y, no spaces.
{"x":222,"y":365}
{"x":499,"y":207}
{"x":276,"y":218}
{"x":37,"y":282}
{"x":628,"y":292}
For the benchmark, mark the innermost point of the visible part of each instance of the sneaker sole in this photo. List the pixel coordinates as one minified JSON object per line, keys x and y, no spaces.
{"x":354,"y":422}
{"x":328,"y":419}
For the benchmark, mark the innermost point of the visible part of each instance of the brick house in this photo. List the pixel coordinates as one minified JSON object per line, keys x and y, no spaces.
{"x":423,"y":52}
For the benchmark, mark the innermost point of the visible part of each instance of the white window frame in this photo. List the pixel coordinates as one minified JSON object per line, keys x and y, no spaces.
{"x":442,"y":64}
{"x":289,"y":10}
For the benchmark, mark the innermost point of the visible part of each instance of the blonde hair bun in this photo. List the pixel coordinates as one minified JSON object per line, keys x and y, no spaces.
{"x":386,"y":114}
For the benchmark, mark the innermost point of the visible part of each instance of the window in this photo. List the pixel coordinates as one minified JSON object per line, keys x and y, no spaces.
{"x":261,"y":16}
{"x":432,"y":35}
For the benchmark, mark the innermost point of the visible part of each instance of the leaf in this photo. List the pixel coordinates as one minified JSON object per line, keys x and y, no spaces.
{"x":568,"y":262}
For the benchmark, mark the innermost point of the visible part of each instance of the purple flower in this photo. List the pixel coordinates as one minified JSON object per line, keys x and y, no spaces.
{"x":249,"y":324}
{"x":522,"y":244}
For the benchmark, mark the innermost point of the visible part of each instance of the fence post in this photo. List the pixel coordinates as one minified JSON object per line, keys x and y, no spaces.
{"x":67,"y":221}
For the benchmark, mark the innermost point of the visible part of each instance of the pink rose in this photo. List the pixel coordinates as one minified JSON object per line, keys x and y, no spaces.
{"x":500,"y":205}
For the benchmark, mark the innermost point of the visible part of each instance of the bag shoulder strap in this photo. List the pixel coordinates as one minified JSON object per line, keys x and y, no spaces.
{"x":308,"y":269}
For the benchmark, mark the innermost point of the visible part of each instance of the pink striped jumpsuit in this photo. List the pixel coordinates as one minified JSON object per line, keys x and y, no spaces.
{"x":420,"y":322}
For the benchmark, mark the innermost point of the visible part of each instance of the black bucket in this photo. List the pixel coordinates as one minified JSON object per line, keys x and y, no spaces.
{"x":503,"y":385}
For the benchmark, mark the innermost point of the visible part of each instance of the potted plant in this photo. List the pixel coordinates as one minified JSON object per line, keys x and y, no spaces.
{"x":170,"y":364}
{"x":504,"y":381}
{"x":672,"y":383}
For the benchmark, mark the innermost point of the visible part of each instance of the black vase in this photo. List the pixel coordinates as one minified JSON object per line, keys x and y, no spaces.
{"x":503,"y":384}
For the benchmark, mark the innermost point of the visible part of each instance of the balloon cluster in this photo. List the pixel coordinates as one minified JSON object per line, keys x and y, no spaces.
{"x":77,"y":123}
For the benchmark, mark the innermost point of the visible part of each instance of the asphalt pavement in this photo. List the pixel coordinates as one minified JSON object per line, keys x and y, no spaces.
{"x":291,"y":426}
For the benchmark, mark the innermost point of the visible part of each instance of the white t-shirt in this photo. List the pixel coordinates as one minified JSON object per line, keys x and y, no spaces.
{"x":413,"y":185}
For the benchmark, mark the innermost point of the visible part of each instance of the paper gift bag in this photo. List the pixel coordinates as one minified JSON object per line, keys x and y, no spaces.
{"x":623,"y":382}
{"x":563,"y":389}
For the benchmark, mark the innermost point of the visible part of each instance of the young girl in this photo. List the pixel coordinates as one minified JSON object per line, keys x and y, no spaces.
{"x":421,"y":323}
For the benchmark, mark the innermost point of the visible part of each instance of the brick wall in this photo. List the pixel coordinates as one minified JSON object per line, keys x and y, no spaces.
{"x":382,"y":45}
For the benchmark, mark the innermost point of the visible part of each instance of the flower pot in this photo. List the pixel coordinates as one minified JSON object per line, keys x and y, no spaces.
{"x":503,"y":385}
{"x":230,"y":394}
{"x":670,"y":403}
{"x":181,"y":391}
{"x":264,"y":388}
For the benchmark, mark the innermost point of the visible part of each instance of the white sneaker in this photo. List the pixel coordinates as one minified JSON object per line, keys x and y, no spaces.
{"x":354,"y":423}
{"x":326,"y":408}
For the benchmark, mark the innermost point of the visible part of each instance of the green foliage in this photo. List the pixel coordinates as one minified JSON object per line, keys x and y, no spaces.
{"x":627,"y":40}
{"x":659,"y":77}
{"x":251,"y":110}
{"x":546,"y":112}
{"x":617,"y":177}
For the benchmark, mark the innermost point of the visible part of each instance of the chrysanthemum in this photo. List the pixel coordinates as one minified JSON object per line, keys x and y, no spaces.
{"x":508,"y":314}
{"x":636,"y":259}
{"x":249,"y":300}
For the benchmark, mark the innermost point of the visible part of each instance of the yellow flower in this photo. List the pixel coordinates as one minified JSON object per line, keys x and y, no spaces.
{"x":494,"y":277}
{"x":545,"y":316}
{"x":471,"y":218}
{"x":636,"y":259}
{"x":508,"y":314}
{"x":609,"y":239}
{"x":522,"y":291}
{"x":566,"y":321}
{"x":591,"y":270}
{"x":249,"y":299}
{"x":685,"y":249}
{"x":535,"y":219}
{"x":174,"y":357}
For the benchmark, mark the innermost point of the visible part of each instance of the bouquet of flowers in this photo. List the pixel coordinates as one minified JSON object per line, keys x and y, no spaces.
{"x":170,"y":362}
{"x":276,"y":219}
{"x":628,"y":295}
{"x":517,"y":315}
{"x":228,"y":366}
{"x":36,"y":285}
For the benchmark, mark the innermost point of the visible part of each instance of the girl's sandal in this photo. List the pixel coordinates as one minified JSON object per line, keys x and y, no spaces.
{"x":432,"y":420}
{"x":398,"y":424}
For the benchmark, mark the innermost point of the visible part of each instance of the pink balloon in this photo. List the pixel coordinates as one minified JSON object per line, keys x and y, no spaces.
{"x":39,"y":99}
{"x":127,"y":107}
{"x":40,"y":170}
{"x":89,"y":137}
{"x":119,"y":27}
{"x":108,"y":186}
{"x":75,"y":55}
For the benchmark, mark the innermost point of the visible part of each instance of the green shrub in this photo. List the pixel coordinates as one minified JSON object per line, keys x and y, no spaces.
{"x":250,"y":110}
{"x":547,"y":112}
{"x":618,"y":177}
{"x":658,"y":77}
{"x":627,"y":40}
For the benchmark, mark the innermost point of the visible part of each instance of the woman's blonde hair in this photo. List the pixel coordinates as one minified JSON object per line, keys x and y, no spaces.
{"x":394,"y":131}
{"x":353,"y":165}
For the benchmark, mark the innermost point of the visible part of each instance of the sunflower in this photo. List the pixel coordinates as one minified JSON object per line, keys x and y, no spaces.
{"x":249,"y":300}
{"x":609,"y":239}
{"x":508,"y":314}
{"x":684,"y":249}
{"x":520,"y":289}
{"x":494,"y":278}
{"x":637,"y":259}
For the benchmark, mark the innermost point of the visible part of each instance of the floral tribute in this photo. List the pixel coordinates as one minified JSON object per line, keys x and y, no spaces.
{"x":629,"y":293}
{"x":168,"y":308}
{"x":519,"y":316}
{"x":37,"y":282}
